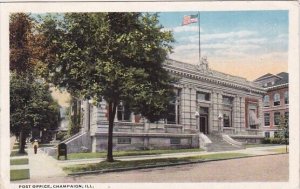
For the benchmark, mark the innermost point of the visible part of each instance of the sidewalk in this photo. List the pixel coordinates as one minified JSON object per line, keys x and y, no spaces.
{"x":42,"y":165}
{"x":255,"y":151}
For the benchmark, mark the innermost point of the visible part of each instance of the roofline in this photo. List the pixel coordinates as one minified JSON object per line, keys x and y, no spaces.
{"x":259,"y":79}
{"x":277,"y":86}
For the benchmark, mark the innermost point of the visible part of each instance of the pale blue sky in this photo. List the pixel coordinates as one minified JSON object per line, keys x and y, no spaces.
{"x":242,"y":43}
{"x":229,"y":34}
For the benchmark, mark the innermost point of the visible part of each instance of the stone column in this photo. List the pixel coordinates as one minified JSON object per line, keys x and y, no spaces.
{"x":220,"y":110}
{"x":260,"y":112}
{"x":193,"y":109}
{"x":237,"y":114}
{"x":215,"y":111}
{"x":185,"y":108}
{"x":243,"y":124}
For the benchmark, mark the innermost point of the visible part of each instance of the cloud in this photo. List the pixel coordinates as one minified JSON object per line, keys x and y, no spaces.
{"x":179,"y":29}
{"x":243,"y":44}
{"x":237,"y":34}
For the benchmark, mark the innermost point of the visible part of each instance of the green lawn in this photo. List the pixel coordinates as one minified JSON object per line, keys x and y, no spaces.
{"x":46,"y":145}
{"x":280,"y":150}
{"x":15,"y":147}
{"x":22,"y":161}
{"x":149,"y":162}
{"x":16,"y":153}
{"x":19,"y":174}
{"x":127,"y":153}
{"x":261,"y":145}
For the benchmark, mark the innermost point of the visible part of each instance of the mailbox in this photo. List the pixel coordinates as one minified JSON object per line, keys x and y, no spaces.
{"x":62,"y":150}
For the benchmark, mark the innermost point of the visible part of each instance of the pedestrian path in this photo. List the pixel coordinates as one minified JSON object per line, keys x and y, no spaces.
{"x":255,"y":151}
{"x":42,"y":165}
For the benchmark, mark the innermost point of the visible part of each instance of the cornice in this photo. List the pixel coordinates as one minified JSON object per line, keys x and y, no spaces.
{"x":190,"y":71}
{"x":277,"y":87}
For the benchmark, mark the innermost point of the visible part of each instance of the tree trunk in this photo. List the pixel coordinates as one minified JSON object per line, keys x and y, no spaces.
{"x":111,"y":116}
{"x":22,"y":140}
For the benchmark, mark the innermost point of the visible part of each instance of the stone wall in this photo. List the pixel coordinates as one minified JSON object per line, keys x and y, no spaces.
{"x":134,"y":141}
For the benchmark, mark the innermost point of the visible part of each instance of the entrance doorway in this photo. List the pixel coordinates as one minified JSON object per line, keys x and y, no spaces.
{"x":203,"y":121}
{"x":203,"y":124}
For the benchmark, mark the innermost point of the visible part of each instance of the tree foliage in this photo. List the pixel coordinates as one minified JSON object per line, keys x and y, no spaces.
{"x":31,"y":104}
{"x":111,"y":56}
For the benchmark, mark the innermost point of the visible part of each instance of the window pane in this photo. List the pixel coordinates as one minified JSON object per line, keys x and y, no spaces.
{"x":267,"y":119}
{"x":267,"y":134}
{"x":203,"y":96}
{"x":203,"y":110}
{"x":266,"y":101}
{"x":175,"y":141}
{"x":226,"y":119}
{"x":286,"y":97}
{"x":171,"y":118}
{"x":227,"y":100}
{"x":276,"y":99}
{"x":124,"y":140}
{"x":276,"y":118}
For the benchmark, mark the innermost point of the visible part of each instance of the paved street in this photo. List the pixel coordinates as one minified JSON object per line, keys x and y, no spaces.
{"x":245,"y":169}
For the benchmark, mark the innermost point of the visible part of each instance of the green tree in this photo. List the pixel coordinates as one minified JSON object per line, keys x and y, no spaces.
{"x":31,"y":104}
{"x":117,"y":57}
{"x":283,"y":129}
{"x":74,"y":116}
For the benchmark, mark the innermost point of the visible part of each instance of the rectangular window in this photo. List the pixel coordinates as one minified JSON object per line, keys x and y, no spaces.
{"x":203,"y":96}
{"x":173,"y":116}
{"x":276,"y":118}
{"x":267,"y":119}
{"x":124,"y":140}
{"x":267,"y":134}
{"x":266,"y":101}
{"x":276,"y":99}
{"x":123,"y":113}
{"x":226,"y":119}
{"x":227,"y":100}
{"x":175,"y":141}
{"x":286,"y":97}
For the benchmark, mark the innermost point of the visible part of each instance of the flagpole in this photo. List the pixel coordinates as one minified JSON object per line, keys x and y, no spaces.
{"x":199,"y":37}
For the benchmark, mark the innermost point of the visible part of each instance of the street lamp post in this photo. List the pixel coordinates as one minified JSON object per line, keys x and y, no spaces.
{"x":220,"y":122}
{"x":197,"y":121}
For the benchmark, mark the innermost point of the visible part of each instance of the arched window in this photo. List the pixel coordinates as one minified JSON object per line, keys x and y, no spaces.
{"x":276,"y":99}
{"x":286,"y":97}
{"x":266,"y":101}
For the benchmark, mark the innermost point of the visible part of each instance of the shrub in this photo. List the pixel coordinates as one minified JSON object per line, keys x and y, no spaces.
{"x":61,"y":135}
{"x":273,"y":141}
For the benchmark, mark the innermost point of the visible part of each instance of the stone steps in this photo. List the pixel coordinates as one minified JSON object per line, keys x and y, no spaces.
{"x":218,"y":144}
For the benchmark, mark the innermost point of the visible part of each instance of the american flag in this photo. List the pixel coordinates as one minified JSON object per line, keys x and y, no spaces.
{"x":190,"y":19}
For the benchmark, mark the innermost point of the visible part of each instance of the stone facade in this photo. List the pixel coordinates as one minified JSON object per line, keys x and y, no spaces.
{"x":207,"y":102}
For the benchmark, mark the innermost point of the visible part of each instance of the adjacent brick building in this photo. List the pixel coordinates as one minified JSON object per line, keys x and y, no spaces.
{"x":275,"y":102}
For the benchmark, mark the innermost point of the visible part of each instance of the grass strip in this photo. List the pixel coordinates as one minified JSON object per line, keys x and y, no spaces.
{"x":74,"y":156}
{"x":15,"y":147}
{"x":149,"y":162}
{"x":261,"y":145}
{"x":46,"y":145}
{"x":19,"y":174}
{"x":21,"y":161}
{"x":279,"y":150}
{"x":16,"y":153}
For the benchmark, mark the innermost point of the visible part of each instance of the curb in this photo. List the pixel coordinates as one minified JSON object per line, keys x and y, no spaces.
{"x":165,"y":165}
